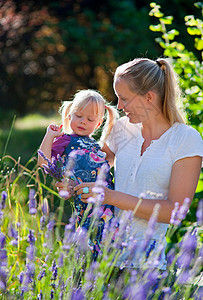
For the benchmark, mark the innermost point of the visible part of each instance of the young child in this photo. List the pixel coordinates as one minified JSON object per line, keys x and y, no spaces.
{"x":80,"y":118}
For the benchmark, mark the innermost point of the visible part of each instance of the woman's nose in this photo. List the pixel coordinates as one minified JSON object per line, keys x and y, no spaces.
{"x":120,"y":104}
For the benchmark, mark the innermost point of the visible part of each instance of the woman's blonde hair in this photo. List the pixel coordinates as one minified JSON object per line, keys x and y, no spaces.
{"x":81,"y":99}
{"x":143,"y":75}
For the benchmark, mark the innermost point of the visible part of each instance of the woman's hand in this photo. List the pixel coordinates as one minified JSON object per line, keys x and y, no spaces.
{"x":85,"y":190}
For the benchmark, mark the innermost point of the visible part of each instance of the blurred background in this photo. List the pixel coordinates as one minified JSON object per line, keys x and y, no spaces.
{"x":50,"y":49}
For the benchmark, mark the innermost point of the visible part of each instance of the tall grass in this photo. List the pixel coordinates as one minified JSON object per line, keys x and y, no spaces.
{"x":40,"y":258}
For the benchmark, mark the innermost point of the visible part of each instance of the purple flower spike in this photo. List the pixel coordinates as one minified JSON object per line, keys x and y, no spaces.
{"x":77,"y":294}
{"x":32,"y":202}
{"x":45,"y":207}
{"x":174,"y":214}
{"x":3,"y":200}
{"x":42,"y":222}
{"x":30,"y":252}
{"x":53,"y":168}
{"x":42,"y":273}
{"x":51,"y":225}
{"x":2,"y":240}
{"x":31,"y":237}
{"x":20,"y":277}
{"x":40,"y":296}
{"x":184,"y":209}
{"x":64,"y":194}
{"x":2,"y":285}
{"x":199,"y":213}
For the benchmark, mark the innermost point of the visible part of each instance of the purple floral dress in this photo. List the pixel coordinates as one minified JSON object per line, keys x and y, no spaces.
{"x":88,"y":161}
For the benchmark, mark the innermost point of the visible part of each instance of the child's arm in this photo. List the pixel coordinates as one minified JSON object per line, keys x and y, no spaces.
{"x":53,"y":131}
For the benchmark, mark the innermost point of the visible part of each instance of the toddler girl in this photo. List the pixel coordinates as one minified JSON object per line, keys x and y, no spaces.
{"x":80,"y":118}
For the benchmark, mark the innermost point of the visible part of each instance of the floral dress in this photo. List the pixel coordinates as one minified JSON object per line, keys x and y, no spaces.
{"x":88,"y":160}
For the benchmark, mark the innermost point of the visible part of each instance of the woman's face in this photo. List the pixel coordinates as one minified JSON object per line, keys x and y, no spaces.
{"x":134,"y":105}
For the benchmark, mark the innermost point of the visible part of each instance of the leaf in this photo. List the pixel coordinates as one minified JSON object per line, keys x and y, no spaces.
{"x":167,"y":20}
{"x":155,"y":27}
{"x":198,"y":44}
{"x":193,"y":31}
{"x":171,"y":34}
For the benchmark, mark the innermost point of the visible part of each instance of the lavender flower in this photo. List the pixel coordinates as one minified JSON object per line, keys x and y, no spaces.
{"x":68,"y":172}
{"x":179,"y":214}
{"x":199,"y":213}
{"x":52,"y":294}
{"x":41,"y":274}
{"x":174,"y":215}
{"x":30,"y":252}
{"x":50,"y":225}
{"x":32,"y":202}
{"x":40,"y":296}
{"x":54,"y":270}
{"x":1,"y":216}
{"x":53,"y":168}
{"x":2,"y":240}
{"x":151,"y":226}
{"x":3,"y":278}
{"x":30,"y":271}
{"x":64,"y":194}
{"x":3,"y":200}
{"x":3,"y":255}
{"x":20,"y":277}
{"x":187,"y":247}
{"x":77,"y":294}
{"x":31,"y":238}
{"x":60,"y":260}
{"x":42,"y":222}
{"x":45,"y":207}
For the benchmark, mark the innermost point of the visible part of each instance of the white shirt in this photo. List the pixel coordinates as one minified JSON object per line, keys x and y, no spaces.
{"x":149,"y":173}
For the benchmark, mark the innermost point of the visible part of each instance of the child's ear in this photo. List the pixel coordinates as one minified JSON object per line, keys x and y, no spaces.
{"x":99,"y":124}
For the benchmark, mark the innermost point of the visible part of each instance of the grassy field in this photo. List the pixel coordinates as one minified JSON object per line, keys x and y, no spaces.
{"x":26,"y":135}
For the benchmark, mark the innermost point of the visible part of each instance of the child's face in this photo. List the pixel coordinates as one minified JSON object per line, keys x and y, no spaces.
{"x":84,"y":122}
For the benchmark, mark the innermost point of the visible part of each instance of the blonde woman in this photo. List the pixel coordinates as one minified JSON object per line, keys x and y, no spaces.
{"x":155,"y":155}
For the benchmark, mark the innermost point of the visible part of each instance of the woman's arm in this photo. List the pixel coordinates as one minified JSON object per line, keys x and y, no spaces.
{"x":184,"y":178}
{"x":109,"y":154}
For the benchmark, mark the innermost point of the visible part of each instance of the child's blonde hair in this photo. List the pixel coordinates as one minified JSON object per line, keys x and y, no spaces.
{"x":81,"y":99}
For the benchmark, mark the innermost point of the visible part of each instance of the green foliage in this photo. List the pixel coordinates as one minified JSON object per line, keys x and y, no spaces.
{"x":186,"y":64}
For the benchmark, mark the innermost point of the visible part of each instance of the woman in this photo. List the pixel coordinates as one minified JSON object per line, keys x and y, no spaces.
{"x":154,"y":153}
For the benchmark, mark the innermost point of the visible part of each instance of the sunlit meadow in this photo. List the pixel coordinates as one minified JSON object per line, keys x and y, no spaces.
{"x":41,"y":257}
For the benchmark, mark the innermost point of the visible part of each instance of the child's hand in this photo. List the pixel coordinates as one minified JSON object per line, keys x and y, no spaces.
{"x":66,"y":188}
{"x":54,"y":130}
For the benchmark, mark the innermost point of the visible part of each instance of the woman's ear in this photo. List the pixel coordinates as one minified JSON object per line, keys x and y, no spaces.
{"x":99,"y":124}
{"x":150,"y":96}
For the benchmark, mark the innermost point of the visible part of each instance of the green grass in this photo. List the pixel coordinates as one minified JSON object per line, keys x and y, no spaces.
{"x":26,"y":136}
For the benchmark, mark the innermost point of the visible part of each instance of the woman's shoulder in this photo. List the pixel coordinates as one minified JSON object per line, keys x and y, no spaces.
{"x":186,"y":139}
{"x":183,"y":130}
